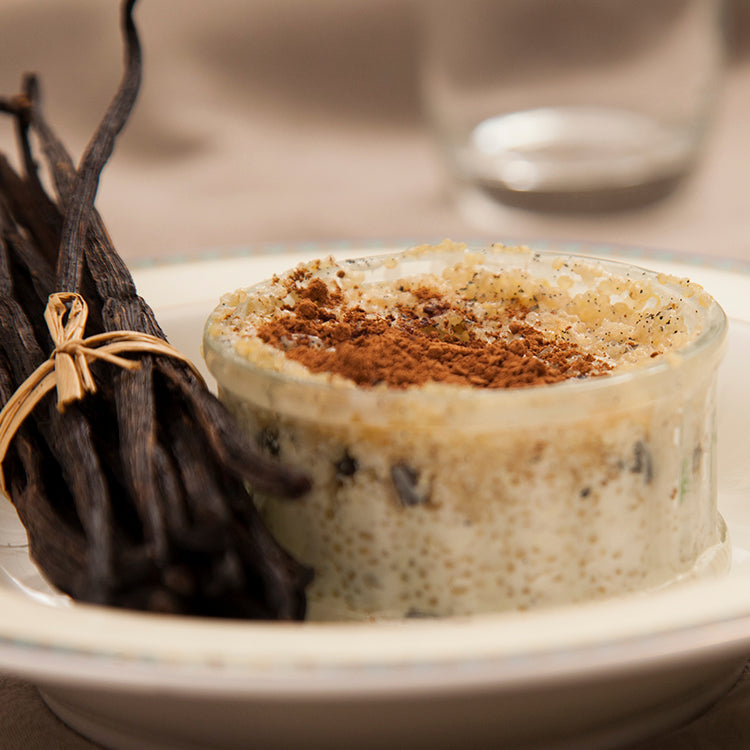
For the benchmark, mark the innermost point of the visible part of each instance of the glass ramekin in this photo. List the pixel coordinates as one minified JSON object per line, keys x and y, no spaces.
{"x":444,"y":500}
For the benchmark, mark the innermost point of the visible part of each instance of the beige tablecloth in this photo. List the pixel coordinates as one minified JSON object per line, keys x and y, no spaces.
{"x":294,"y":120}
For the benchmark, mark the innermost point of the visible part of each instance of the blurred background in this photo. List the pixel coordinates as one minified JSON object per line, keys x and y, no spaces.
{"x":290,"y":120}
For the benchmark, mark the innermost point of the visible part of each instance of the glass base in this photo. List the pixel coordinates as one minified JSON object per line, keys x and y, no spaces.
{"x":574,"y":159}
{"x":480,"y":202}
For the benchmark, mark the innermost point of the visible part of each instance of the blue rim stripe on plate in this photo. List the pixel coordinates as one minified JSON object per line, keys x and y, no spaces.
{"x":718,"y":262}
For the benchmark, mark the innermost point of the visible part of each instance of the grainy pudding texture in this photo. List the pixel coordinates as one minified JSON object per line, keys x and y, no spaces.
{"x":485,"y":430}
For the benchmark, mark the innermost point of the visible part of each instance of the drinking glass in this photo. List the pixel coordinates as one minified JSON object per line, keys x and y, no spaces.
{"x":569,"y":104}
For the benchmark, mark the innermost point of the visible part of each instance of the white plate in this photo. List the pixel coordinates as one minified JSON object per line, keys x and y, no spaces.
{"x":592,"y":676}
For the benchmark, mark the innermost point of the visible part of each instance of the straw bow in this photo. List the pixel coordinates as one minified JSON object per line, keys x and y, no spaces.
{"x":67,"y":369}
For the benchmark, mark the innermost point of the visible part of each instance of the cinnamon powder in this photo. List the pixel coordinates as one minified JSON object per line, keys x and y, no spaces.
{"x":419,"y":344}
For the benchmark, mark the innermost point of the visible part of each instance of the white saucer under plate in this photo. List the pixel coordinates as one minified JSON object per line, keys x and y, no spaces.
{"x":587,"y":676}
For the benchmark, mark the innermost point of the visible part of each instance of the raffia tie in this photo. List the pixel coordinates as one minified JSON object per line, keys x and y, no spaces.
{"x":67,"y":369}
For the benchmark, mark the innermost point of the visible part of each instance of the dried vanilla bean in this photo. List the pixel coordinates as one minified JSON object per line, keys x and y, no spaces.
{"x":137,"y":495}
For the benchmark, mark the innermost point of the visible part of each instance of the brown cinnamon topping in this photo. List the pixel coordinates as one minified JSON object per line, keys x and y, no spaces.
{"x":317,"y":291}
{"x":424,"y":293}
{"x":434,"y":341}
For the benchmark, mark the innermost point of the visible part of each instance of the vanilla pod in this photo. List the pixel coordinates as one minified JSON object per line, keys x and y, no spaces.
{"x":139,"y":495}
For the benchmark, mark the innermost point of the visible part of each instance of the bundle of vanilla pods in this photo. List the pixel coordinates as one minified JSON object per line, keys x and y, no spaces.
{"x":138,"y":495}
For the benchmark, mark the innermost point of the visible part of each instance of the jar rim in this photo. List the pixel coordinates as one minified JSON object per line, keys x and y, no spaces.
{"x":246,"y":379}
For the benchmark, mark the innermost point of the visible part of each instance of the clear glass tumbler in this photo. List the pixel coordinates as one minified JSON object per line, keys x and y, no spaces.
{"x":575,"y":105}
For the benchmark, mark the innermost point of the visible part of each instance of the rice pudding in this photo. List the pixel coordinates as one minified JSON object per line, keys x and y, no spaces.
{"x":484,"y":429}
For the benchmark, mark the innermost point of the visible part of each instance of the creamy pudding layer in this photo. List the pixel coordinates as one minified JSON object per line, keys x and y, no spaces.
{"x":484,"y":430}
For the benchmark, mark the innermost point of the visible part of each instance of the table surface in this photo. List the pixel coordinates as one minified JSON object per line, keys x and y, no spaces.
{"x":280,"y":122}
